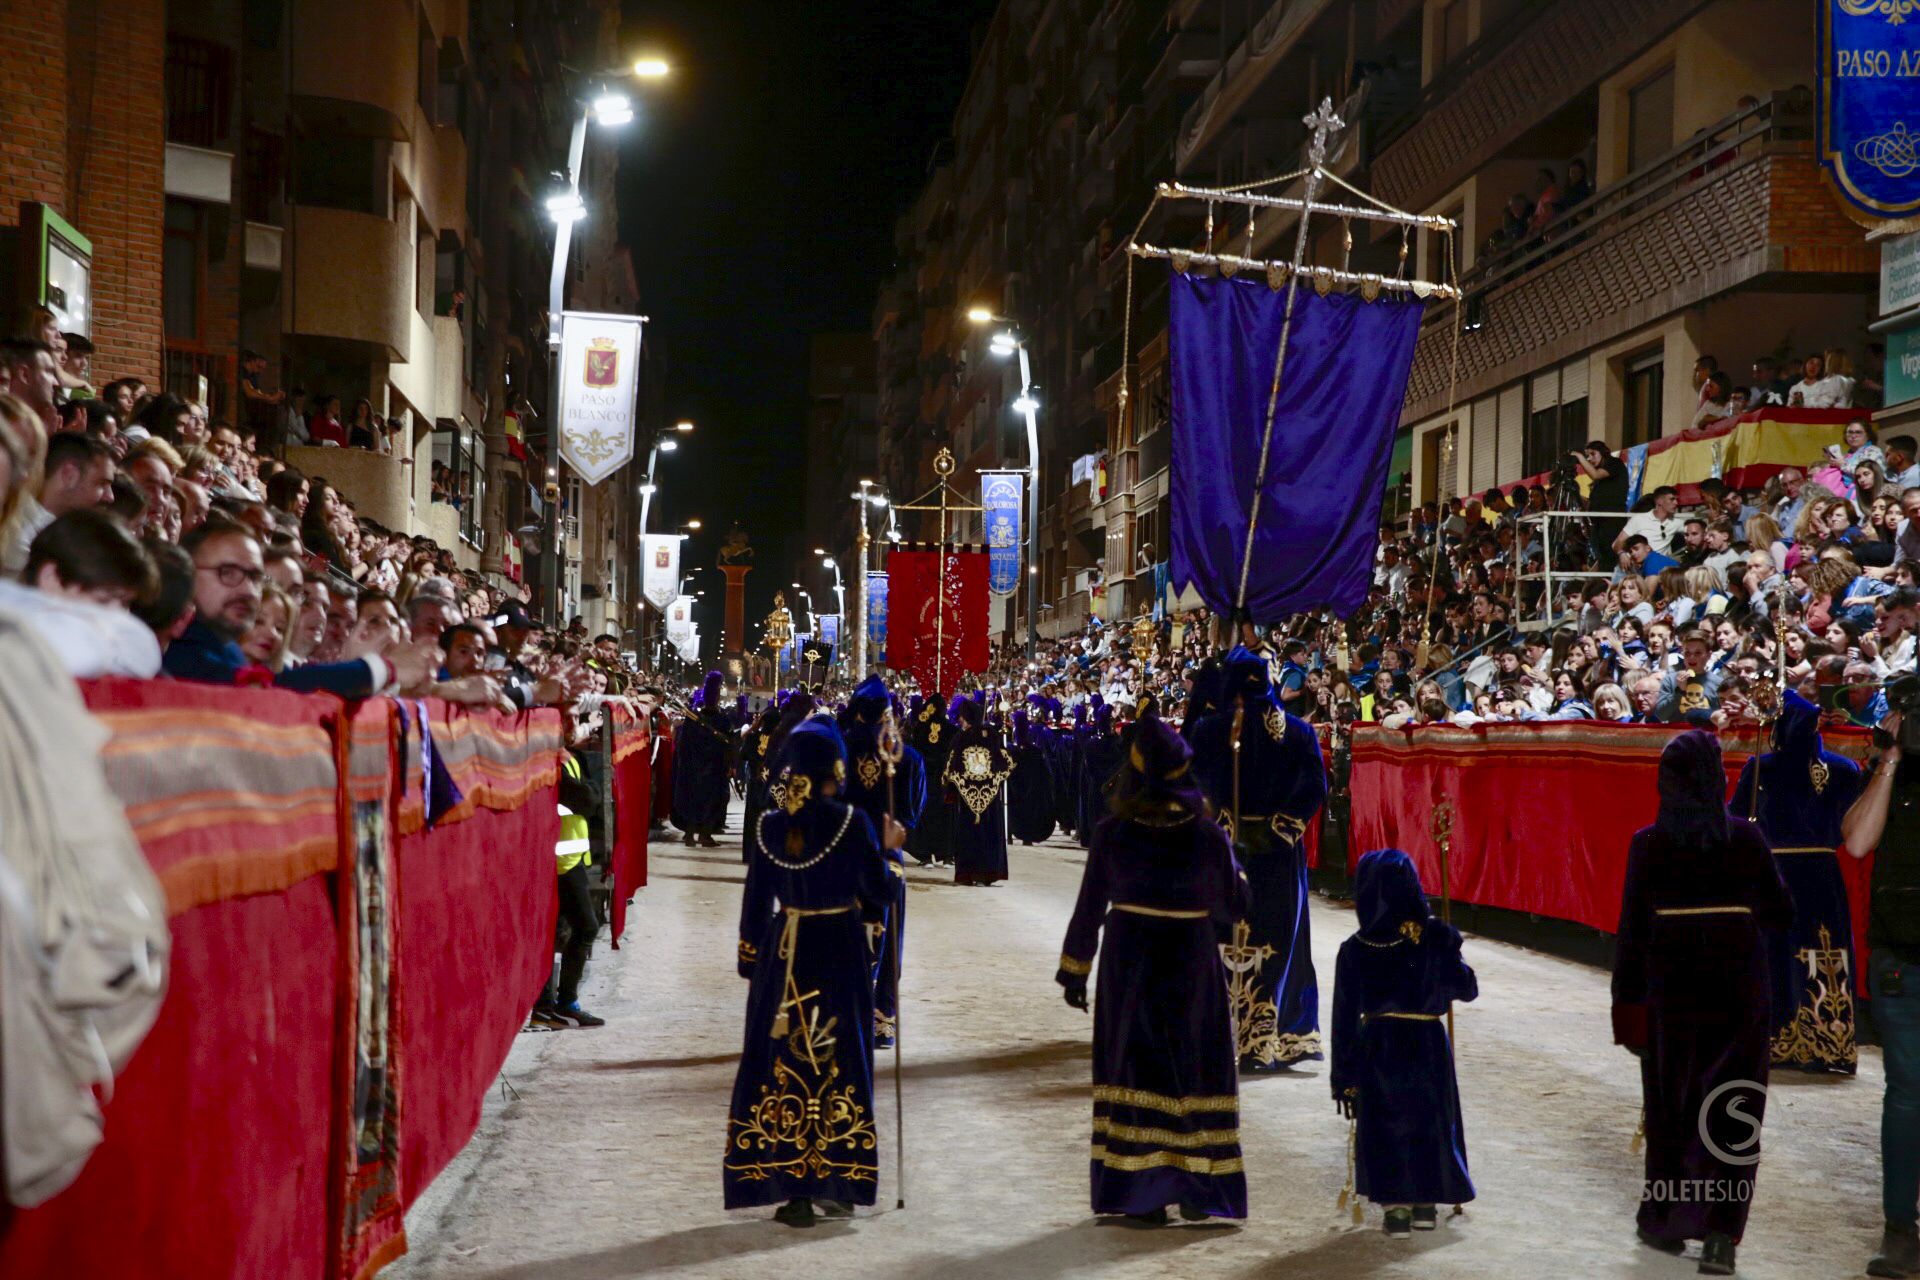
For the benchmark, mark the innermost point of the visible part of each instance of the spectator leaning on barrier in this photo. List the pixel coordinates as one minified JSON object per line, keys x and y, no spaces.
{"x":227,"y":578}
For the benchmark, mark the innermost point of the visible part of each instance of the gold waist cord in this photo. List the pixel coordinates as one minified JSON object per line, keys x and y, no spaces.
{"x":789,"y":940}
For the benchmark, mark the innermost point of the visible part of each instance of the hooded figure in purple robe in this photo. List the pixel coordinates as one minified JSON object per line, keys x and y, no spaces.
{"x":976,"y":775}
{"x":1162,"y":882}
{"x":1392,"y":1062}
{"x":1267,"y":791}
{"x":801,"y":1125}
{"x":703,"y":745}
{"x":1691,"y":997}
{"x":1030,"y":789}
{"x":1100,"y":755}
{"x":1796,"y":795}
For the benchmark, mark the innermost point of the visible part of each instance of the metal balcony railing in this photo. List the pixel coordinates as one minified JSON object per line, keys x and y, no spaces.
{"x":199,"y":87}
{"x":181,"y":371}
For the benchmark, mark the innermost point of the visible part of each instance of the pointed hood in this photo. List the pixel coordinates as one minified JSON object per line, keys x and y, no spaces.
{"x":1693,"y":788}
{"x":710,"y":691}
{"x":1244,"y":675}
{"x":1796,"y":730}
{"x":1387,"y":895}
{"x":869,"y":700}
{"x":1156,"y":777}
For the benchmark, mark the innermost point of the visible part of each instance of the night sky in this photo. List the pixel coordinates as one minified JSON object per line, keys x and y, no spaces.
{"x":758,"y":192}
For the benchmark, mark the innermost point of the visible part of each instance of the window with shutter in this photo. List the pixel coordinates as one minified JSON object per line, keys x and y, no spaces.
{"x":1485,"y":435}
{"x":1513,"y":404}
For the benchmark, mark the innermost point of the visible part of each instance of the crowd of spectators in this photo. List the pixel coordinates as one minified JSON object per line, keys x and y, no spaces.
{"x":155,"y":539}
{"x":1700,"y":612}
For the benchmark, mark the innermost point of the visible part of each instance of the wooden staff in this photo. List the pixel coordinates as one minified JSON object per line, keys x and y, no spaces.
{"x":890,"y":750}
{"x":1440,"y":826}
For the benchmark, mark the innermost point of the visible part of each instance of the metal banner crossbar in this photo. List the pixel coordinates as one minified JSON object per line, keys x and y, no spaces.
{"x":1324,"y":121}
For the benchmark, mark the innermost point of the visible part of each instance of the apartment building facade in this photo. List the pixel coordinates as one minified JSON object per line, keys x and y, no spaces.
{"x":1708,"y":232}
{"x":353,"y":189}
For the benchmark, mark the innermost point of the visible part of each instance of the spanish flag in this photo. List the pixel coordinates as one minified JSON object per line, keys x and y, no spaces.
{"x":516,"y":444}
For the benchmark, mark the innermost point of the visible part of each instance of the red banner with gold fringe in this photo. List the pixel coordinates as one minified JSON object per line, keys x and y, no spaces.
{"x":937,"y":615}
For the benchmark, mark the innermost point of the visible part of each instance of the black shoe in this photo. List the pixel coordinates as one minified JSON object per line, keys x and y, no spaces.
{"x":1647,"y":1238}
{"x":795,"y":1213}
{"x":833,"y":1208}
{"x":687,"y":840}
{"x":708,"y":842}
{"x":1425,"y":1217}
{"x":1899,"y":1255}
{"x":546,"y":1017}
{"x":1716,"y":1255}
{"x":1156,"y":1218}
{"x":1398,"y":1224}
{"x":1191,"y":1212}
{"x":574,"y":1016}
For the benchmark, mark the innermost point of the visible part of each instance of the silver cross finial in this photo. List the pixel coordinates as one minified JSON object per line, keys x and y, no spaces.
{"x":1323,"y":121}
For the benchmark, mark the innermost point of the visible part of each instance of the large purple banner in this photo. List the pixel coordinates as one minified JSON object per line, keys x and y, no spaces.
{"x":1333,"y":427}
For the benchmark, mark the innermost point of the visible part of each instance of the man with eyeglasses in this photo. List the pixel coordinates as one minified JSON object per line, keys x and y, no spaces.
{"x":227,"y":573}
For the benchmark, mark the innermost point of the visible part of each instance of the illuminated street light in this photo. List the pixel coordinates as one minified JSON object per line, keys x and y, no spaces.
{"x":1003,"y":344}
{"x":1026,"y":404}
{"x":981,"y":315}
{"x":648,"y":489}
{"x":683,"y":426}
{"x":566,"y":207}
{"x":610,"y":110}
{"x":651,"y":68}
{"x":669,"y":444}
{"x":693,"y":524}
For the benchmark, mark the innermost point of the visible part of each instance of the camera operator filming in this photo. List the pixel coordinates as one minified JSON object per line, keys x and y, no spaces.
{"x":1886,"y":817}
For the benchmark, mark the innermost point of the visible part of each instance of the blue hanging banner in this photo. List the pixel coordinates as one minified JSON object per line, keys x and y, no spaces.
{"x":830,"y":630}
{"x":1868,"y":119}
{"x":1000,"y":507}
{"x":1331,"y":437}
{"x":877,"y":617}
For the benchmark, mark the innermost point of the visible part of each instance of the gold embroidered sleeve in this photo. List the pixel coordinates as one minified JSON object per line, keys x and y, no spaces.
{"x":1078,"y":968}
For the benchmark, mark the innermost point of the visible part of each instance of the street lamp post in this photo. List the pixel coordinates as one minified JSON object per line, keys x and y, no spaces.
{"x":1010,"y":342}
{"x":566,"y":207}
{"x":865,"y":498}
{"x":839,"y":592}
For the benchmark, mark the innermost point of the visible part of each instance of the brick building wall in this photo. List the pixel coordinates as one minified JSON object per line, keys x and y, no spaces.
{"x":82,"y":123}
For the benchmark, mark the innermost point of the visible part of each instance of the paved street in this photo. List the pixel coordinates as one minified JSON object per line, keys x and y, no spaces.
{"x":604,"y":1161}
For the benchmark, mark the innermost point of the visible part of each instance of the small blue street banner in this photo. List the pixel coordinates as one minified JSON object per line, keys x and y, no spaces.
{"x":1869,"y":103}
{"x":877,"y":616}
{"x":1000,"y":493}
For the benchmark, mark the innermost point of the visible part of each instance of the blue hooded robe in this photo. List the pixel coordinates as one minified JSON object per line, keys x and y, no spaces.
{"x":1804,"y":790}
{"x":1394,"y":981}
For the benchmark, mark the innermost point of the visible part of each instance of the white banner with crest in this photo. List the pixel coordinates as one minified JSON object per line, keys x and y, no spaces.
{"x":599,"y":390}
{"x":660,"y":568}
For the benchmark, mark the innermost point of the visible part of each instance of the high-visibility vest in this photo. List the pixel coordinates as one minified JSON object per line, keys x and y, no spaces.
{"x":573,"y":847}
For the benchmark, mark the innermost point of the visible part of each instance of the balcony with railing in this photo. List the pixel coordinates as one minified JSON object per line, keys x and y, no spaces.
{"x":1740,"y":205}
{"x":1256,"y":58}
{"x":182,"y":370}
{"x":1521,"y":72}
{"x":199,"y":86}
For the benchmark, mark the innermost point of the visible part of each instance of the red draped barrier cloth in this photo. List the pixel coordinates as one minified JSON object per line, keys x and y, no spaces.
{"x":1542,"y":813}
{"x":631,"y":777}
{"x":937,"y":615}
{"x":219,"y":1145}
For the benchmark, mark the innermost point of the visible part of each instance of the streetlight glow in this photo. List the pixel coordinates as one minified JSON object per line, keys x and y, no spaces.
{"x":878,"y":499}
{"x":980,"y":314}
{"x":1026,"y":404}
{"x":683,"y":426}
{"x":611,"y":110}
{"x":649,"y":489}
{"x":567,"y":206}
{"x":693,"y":524}
{"x":651,"y":68}
{"x":669,"y":445}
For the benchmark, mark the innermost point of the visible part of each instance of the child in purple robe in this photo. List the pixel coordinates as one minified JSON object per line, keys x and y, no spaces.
{"x":1393,"y":1072}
